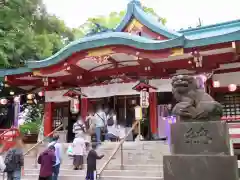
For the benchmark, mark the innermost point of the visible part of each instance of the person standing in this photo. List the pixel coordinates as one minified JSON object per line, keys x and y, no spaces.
{"x":79,"y":150}
{"x":112,"y":129}
{"x":58,"y":154}
{"x":14,"y":160}
{"x":100,"y":123}
{"x":47,"y":159}
{"x":92,"y":163}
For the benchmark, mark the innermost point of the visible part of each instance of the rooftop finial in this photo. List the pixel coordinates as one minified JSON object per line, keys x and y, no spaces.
{"x":136,"y":2}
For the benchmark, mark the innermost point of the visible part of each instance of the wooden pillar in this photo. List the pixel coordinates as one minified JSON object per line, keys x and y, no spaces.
{"x":153,"y":112}
{"x":48,"y":118}
{"x":84,"y":108}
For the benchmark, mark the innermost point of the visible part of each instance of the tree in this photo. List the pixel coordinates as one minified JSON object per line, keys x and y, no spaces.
{"x":110,"y":22}
{"x":28,"y":32}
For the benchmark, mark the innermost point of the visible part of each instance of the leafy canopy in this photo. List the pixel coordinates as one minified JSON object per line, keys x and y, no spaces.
{"x":28,"y":32}
{"x":111,"y":21}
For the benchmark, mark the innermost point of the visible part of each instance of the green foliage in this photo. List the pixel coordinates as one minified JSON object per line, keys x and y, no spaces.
{"x":111,"y":21}
{"x":34,"y":112}
{"x":27,"y":32}
{"x":33,"y":119}
{"x":30,"y":127}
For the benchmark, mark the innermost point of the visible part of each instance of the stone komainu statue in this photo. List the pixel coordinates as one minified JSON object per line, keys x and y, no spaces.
{"x":194,"y":104}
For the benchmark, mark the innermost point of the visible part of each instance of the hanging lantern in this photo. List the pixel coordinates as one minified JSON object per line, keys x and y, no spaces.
{"x":232,"y":87}
{"x":144,"y":98}
{"x":11,"y":93}
{"x":3,"y":101}
{"x":17,"y":99}
{"x":30,"y":96}
{"x":40,"y":93}
{"x":216,"y":84}
{"x":74,"y":105}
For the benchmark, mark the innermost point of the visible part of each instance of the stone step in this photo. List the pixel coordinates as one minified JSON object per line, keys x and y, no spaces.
{"x":79,"y":177}
{"x":140,"y":167}
{"x":112,"y":172}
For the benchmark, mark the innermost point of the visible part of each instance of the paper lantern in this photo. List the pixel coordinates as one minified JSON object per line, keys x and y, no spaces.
{"x":144,"y":98}
{"x":11,"y":93}
{"x":30,"y":96}
{"x":3,"y":101}
{"x":40,"y":93}
{"x":232,"y":87}
{"x":17,"y":99}
{"x":74,"y":105}
{"x":216,"y":84}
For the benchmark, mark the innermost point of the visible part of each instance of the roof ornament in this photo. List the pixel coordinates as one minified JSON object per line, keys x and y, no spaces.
{"x":136,"y":2}
{"x":99,"y":29}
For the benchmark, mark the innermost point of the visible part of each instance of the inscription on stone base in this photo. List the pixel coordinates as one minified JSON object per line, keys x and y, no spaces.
{"x":200,"y":138}
{"x":200,"y":167}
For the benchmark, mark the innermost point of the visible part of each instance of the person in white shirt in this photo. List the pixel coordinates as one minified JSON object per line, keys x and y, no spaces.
{"x":79,"y":128}
{"x":58,"y":153}
{"x":79,"y":150}
{"x":100,"y":123}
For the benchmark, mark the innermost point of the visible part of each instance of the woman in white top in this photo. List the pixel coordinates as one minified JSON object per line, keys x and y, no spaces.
{"x":79,"y":150}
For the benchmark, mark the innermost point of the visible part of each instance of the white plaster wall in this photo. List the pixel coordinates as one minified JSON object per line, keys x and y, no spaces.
{"x":227,"y":78}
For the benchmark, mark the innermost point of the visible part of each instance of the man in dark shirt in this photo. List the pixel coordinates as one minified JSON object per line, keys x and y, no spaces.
{"x":47,"y":159}
{"x":92,"y":162}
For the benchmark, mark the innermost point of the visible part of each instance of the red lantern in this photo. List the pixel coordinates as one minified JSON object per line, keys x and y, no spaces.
{"x":232,"y":87}
{"x":3,"y":101}
{"x":216,"y":84}
{"x":40,"y":94}
{"x":17,"y":99}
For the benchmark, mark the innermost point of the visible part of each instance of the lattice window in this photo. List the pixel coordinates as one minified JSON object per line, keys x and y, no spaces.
{"x":231,"y":104}
{"x":60,"y":114}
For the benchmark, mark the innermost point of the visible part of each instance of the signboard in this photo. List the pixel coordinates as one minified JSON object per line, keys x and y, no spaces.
{"x":138,"y":113}
{"x":144,"y":98}
{"x":74,"y":105}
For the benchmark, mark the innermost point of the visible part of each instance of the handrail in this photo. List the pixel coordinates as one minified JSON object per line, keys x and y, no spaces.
{"x":37,"y":144}
{"x":7,"y":130}
{"x":117,"y":148}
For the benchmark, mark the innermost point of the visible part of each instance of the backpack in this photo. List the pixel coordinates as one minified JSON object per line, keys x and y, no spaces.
{"x":110,"y":121}
{"x":10,"y":161}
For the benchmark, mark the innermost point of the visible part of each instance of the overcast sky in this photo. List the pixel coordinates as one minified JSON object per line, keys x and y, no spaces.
{"x":179,"y":14}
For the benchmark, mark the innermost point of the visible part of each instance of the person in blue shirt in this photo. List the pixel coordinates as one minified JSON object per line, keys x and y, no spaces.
{"x":58,"y":154}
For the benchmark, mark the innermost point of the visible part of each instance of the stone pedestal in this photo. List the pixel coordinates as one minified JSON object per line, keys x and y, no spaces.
{"x":200,"y":151}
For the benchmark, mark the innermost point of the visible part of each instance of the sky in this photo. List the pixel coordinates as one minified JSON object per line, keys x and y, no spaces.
{"x":179,"y":14}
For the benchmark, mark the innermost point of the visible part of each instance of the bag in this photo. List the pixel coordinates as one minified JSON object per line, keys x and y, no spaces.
{"x":82,"y":127}
{"x":103,"y":129}
{"x":110,"y":121}
{"x":10,"y":161}
{"x":70,"y":150}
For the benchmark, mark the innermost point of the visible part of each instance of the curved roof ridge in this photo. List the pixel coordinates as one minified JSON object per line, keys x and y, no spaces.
{"x":134,"y":9}
{"x":103,"y":39}
{"x":212,"y":26}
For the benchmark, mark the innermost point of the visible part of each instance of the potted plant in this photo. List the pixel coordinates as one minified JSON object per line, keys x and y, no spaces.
{"x":32,"y":123}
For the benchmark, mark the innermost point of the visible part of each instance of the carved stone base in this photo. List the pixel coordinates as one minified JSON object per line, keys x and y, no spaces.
{"x":200,"y":167}
{"x":200,"y":138}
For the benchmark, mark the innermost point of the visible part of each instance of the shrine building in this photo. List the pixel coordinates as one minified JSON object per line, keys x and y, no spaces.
{"x":104,"y":67}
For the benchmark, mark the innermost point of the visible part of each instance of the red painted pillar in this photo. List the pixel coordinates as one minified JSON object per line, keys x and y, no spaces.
{"x":48,"y":118}
{"x":153,"y":112}
{"x":84,"y":108}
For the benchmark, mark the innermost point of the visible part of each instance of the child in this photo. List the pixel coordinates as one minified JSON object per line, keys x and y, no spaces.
{"x":79,"y":150}
{"x":92,"y":162}
{"x":47,"y":159}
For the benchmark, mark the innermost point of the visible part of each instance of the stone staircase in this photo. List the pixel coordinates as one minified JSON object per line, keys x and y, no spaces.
{"x":142,"y":160}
